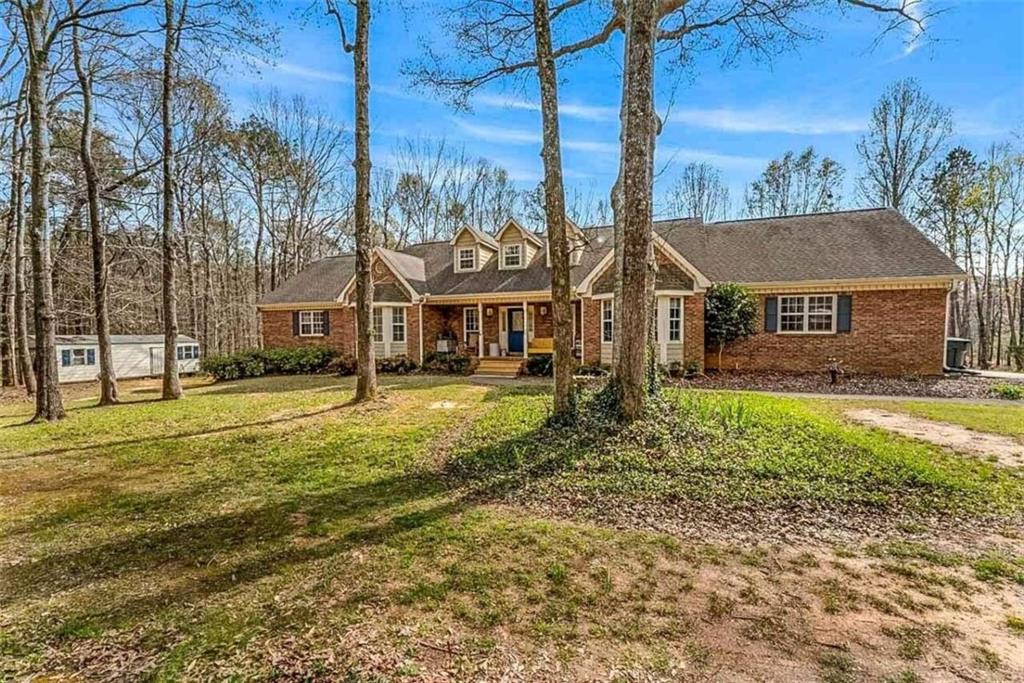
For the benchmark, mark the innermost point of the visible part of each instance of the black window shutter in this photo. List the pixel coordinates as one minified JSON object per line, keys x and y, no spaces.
{"x":844,"y":320}
{"x":327,"y":323}
{"x":295,"y":323}
{"x":771,"y":314}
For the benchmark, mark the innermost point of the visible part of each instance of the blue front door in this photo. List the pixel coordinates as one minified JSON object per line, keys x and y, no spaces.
{"x":515,"y":330}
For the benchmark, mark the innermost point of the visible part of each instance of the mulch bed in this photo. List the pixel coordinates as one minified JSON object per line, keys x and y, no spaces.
{"x":953,"y":386}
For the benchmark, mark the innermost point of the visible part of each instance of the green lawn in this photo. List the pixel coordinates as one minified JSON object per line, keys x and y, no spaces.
{"x":269,"y":529}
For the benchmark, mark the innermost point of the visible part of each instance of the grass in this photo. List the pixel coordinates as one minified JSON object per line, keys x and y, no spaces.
{"x":269,"y":529}
{"x":738,"y":450}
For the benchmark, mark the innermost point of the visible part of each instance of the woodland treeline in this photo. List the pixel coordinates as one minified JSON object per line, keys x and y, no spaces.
{"x":134,"y":201}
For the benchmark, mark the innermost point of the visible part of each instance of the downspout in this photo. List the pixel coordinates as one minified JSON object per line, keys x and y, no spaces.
{"x":421,"y":330}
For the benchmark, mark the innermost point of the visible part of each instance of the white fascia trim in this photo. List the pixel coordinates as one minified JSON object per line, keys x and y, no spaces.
{"x":588,"y":282}
{"x":395,"y":271}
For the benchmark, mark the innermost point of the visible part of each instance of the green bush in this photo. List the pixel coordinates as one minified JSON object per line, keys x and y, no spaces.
{"x":343,"y":366}
{"x":398,"y":365}
{"x":542,"y":365}
{"x":592,"y":369}
{"x":448,"y":364}
{"x":257,"y":362}
{"x":1011,"y":392}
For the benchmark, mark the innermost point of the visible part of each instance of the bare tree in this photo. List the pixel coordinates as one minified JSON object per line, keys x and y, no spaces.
{"x":907,"y":130}
{"x":794,"y":185}
{"x":108,"y":380}
{"x":366,"y":378}
{"x":700,"y":192}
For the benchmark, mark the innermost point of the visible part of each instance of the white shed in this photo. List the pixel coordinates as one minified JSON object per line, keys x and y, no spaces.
{"x":134,"y":355}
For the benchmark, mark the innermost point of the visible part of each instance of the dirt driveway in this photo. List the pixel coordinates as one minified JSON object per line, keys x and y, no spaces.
{"x":1008,"y":452}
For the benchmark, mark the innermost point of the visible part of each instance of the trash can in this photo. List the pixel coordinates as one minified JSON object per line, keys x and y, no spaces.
{"x":956,"y":352}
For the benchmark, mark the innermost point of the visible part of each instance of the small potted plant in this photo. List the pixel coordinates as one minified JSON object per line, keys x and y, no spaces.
{"x":835,"y":370}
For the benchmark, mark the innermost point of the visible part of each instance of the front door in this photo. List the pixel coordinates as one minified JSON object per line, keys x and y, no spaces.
{"x":516,"y":326}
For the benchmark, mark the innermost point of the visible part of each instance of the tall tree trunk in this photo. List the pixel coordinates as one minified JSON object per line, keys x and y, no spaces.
{"x":554,"y":212}
{"x":171,"y":381}
{"x":108,"y":380}
{"x":8,"y":332}
{"x":366,"y":380}
{"x":21,"y":346}
{"x":49,"y":403}
{"x":637,"y":208}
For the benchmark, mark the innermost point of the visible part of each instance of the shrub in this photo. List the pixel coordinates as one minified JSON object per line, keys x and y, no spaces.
{"x":343,"y":366}
{"x":258,"y":362}
{"x":448,"y":364}
{"x":1012,"y":392}
{"x":398,"y":365}
{"x":233,"y":366}
{"x":592,"y":369}
{"x":542,"y":365}
{"x":730,"y":314}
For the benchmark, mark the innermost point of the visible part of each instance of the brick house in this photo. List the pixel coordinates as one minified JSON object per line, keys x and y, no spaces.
{"x":863,"y":286}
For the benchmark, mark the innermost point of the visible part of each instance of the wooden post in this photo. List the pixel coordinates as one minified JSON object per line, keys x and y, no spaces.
{"x":480,"y":330}
{"x":526,"y":331}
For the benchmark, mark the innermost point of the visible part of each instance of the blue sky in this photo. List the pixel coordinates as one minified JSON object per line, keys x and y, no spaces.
{"x":736,"y":117}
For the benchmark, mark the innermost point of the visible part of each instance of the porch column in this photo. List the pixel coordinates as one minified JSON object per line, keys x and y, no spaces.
{"x":583,"y":355}
{"x":480,"y":331}
{"x":526,"y":331}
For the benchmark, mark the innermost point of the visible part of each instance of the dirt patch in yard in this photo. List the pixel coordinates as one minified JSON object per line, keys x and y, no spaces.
{"x":1007,"y":451}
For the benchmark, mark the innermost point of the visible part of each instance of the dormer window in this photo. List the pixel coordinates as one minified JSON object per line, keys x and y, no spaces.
{"x":465,"y":259}
{"x":512,"y":256}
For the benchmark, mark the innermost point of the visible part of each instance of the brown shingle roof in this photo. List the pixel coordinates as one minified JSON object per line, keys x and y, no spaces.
{"x":843,"y":245}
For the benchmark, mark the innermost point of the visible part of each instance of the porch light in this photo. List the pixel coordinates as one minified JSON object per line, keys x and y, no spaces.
{"x":543,"y":310}
{"x":490,"y":311}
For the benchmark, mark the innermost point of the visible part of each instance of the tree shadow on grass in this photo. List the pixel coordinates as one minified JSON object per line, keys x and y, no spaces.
{"x":224,"y":552}
{"x":224,"y":429}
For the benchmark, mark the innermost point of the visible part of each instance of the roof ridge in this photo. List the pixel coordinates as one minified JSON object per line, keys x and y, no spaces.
{"x":804,"y":215}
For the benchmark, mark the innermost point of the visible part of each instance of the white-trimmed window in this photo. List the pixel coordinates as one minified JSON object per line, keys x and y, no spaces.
{"x":378,"y":324}
{"x":512,"y":256}
{"x":77,"y":357}
{"x":311,"y":323}
{"x":607,"y":313}
{"x":188,"y":352}
{"x":398,"y":324}
{"x":470,"y":322}
{"x":675,"y":319}
{"x":465,"y":259}
{"x":813,"y":314}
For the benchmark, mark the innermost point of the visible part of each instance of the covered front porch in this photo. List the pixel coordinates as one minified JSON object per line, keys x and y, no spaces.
{"x":494,"y":328}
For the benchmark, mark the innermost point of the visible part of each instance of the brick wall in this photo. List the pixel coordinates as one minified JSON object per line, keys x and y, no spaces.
{"x":591,"y":330}
{"x":693,"y":330}
{"x":893,"y":332}
{"x":277,"y":330}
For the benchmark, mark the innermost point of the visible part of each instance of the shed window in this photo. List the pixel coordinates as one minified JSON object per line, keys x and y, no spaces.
{"x":466,"y":259}
{"x":311,"y":323}
{"x":815,"y":314}
{"x":675,"y":318}
{"x":607,"y":313}
{"x":512,"y":255}
{"x":188,"y":352}
{"x":398,"y":324}
{"x":77,"y":357}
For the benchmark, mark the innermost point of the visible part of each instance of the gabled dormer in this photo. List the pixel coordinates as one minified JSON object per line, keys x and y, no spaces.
{"x":517,"y":246}
{"x":577,"y":241}
{"x":471,"y":249}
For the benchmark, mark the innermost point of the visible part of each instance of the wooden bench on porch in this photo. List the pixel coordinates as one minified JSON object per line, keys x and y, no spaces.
{"x":541,"y":345}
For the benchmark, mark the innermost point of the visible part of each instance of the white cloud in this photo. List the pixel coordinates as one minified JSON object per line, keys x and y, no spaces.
{"x":739,"y":162}
{"x":308,"y":73}
{"x":587,"y":112}
{"x":765,"y":119}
